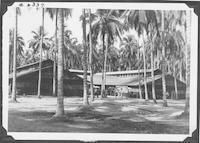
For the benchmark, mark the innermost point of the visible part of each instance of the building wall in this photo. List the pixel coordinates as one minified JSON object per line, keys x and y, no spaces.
{"x":28,"y":84}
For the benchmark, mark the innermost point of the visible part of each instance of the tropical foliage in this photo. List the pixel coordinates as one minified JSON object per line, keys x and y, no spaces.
{"x":110,"y":45}
{"x":20,"y":50}
{"x":35,"y":43}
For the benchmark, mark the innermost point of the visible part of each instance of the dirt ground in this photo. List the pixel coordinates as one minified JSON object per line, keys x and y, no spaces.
{"x":110,"y":115}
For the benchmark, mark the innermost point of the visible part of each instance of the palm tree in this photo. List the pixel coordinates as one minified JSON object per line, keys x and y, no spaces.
{"x":85,"y":96}
{"x":175,"y":81}
{"x":139,"y":76}
{"x":140,"y":20}
{"x":113,"y":56}
{"x":152,"y":35}
{"x":182,"y":62}
{"x":174,"y":44}
{"x":152,"y":73}
{"x":20,"y":50}
{"x":55,"y":59}
{"x":163,"y":63}
{"x":107,"y":27}
{"x":29,"y":57}
{"x":129,"y":49}
{"x":72,"y":51}
{"x":60,"y":97}
{"x":40,"y":63}
{"x":97,"y":58}
{"x":145,"y":76}
{"x":40,"y":43}
{"x":90,"y":57}
{"x":60,"y":23}
{"x":54,"y":13}
{"x":13,"y":97}
{"x":35,"y":42}
{"x":175,"y":55}
{"x":188,"y":26}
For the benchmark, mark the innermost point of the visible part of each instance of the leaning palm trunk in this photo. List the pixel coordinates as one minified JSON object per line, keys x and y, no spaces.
{"x":163,"y":65}
{"x":152,"y":74}
{"x":91,"y":53}
{"x":85,"y":96}
{"x":14,"y":99}
{"x":145,"y":76}
{"x":188,"y":25}
{"x":60,"y":98}
{"x":40,"y":63}
{"x":55,"y":57}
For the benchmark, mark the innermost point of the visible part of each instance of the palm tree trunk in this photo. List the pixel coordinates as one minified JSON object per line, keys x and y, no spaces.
{"x":91,"y":53}
{"x":103,"y":74}
{"x":47,"y":55}
{"x":152,"y":74}
{"x":60,"y":97}
{"x":40,"y":63}
{"x":85,"y":97}
{"x":13,"y":97}
{"x":175,"y":81}
{"x":188,"y":25}
{"x":54,"y":75}
{"x":145,"y":76}
{"x":65,"y":61}
{"x":140,"y":91}
{"x":181,"y":72}
{"x":163,"y":67}
{"x":129,"y":65}
{"x":11,"y":51}
{"x":105,"y":63}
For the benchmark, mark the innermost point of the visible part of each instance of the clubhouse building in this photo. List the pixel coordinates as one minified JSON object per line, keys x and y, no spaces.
{"x":128,"y":81}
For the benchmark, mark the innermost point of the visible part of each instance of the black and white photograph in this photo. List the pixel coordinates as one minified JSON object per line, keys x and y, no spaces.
{"x":99,"y":71}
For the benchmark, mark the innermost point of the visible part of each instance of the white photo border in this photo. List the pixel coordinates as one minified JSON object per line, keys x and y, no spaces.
{"x":108,"y":136}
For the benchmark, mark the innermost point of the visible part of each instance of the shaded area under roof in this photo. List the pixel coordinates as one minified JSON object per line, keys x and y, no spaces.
{"x":129,"y":81}
{"x":134,"y":72}
{"x":113,"y":80}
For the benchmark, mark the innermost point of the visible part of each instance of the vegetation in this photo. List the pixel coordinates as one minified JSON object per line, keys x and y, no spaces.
{"x":156,"y":42}
{"x":40,"y":63}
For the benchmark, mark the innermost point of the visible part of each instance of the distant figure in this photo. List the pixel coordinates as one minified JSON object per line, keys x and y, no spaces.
{"x":116,"y":92}
{"x":96,"y":92}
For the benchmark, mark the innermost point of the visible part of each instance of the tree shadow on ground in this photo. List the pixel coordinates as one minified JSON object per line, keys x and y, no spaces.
{"x":87,"y":119}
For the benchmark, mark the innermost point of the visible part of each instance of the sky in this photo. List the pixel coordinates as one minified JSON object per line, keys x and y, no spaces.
{"x":31,"y":19}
